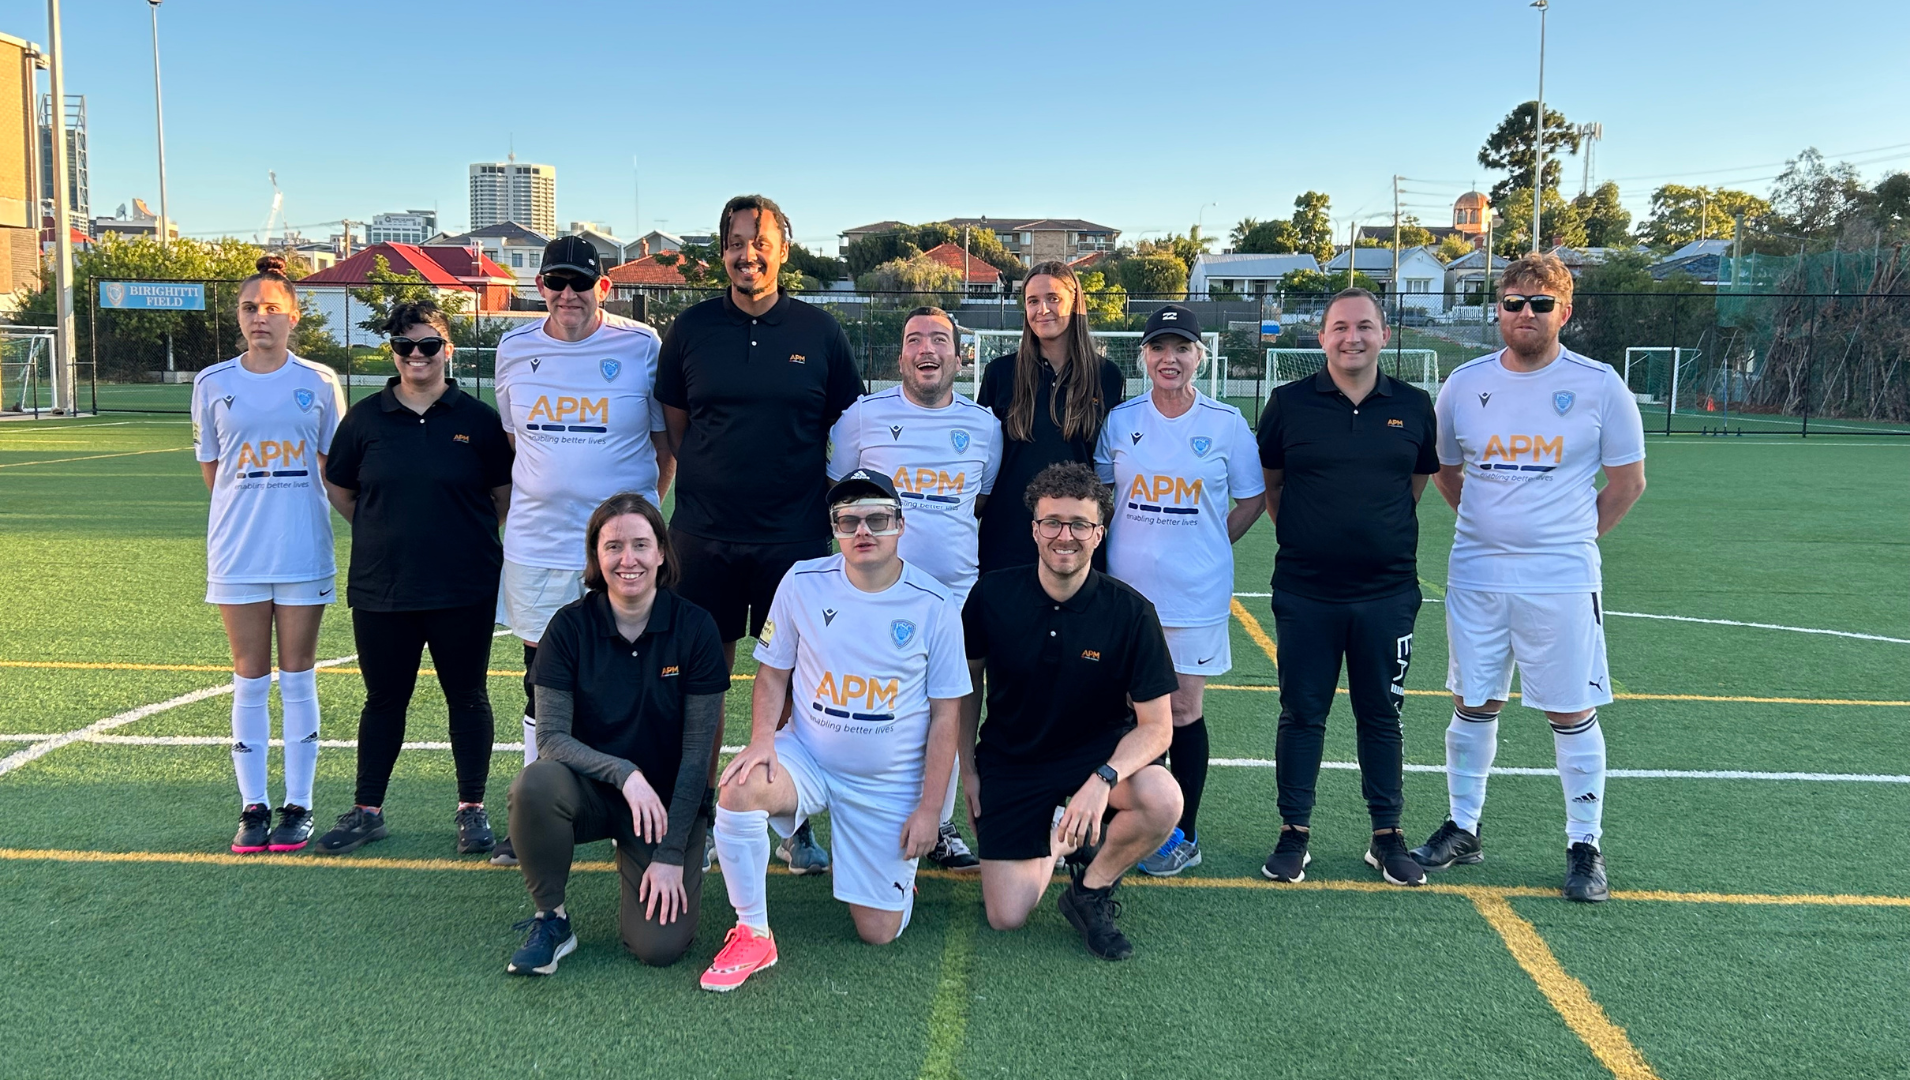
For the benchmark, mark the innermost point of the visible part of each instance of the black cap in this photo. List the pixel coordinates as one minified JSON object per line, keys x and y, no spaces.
{"x":1172,"y":319}
{"x":573,"y":253}
{"x":861,"y":484}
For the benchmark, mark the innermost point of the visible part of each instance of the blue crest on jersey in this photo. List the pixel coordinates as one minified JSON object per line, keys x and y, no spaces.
{"x":609,"y":368}
{"x":1201,"y":445}
{"x":304,"y":398}
{"x":960,"y":439}
{"x":902,"y":631}
{"x":1562,"y":401}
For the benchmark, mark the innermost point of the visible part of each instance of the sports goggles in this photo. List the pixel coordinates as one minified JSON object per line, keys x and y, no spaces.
{"x":1540,"y":304}
{"x":880,"y":521}
{"x":425,"y":347}
{"x":559,"y":280}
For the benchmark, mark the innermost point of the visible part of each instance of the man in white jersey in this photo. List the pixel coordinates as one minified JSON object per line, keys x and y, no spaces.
{"x":576,"y":393}
{"x":874,"y":646}
{"x":1187,"y":486}
{"x":1523,"y":434}
{"x":941,"y":451}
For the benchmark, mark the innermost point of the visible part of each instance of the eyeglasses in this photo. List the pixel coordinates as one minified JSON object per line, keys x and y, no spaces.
{"x":1080,"y":530}
{"x":1540,"y":304}
{"x":880,"y":523}
{"x":425,"y":347}
{"x":559,"y":280}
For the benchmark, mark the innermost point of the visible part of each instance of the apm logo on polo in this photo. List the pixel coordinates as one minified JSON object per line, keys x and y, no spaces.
{"x":270,"y":457}
{"x":856,"y":697}
{"x":1522,"y":453}
{"x":569,"y":414}
{"x":1160,"y":494}
{"x":930,"y":485}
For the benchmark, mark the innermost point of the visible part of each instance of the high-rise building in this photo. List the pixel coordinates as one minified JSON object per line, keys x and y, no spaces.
{"x":410,"y":227}
{"x":513,"y":191}
{"x":78,"y":205}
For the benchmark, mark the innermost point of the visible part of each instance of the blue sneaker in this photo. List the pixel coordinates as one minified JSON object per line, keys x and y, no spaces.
{"x":1177,"y":854}
{"x":551,"y":940}
{"x":802,"y":853}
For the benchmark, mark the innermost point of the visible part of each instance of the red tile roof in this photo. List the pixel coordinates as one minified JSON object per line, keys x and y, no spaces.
{"x":979,"y":271}
{"x":403,"y":258}
{"x":458,"y":262}
{"x":645,"y":271}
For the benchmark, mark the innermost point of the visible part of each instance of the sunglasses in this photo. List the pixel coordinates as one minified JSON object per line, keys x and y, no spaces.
{"x":880,"y":523}
{"x":425,"y":347}
{"x":1540,"y":304}
{"x":559,"y":280}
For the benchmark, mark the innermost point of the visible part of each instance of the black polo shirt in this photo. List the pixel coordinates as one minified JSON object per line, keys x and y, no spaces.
{"x":628,"y":696}
{"x":1005,"y":539}
{"x":762,"y":393}
{"x":1060,"y":673}
{"x":1348,"y":527}
{"x":424,"y":533}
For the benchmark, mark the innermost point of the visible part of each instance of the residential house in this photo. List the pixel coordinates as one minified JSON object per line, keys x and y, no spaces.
{"x":1465,"y":276}
{"x":482,"y":286}
{"x":1422,"y":277}
{"x":610,"y":250}
{"x":983,"y":278}
{"x":645,"y":274}
{"x":1243,"y":274}
{"x":510,"y":245}
{"x":1031,"y":240}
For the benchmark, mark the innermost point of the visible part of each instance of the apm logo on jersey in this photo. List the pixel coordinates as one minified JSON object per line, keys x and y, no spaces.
{"x":930,"y":485}
{"x":570,"y":414}
{"x":270,"y":457}
{"x":1164,"y":495}
{"x":1522,"y":453}
{"x":856,"y":697}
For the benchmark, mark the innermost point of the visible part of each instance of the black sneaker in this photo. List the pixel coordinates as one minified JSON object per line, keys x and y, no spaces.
{"x":293,"y":830}
{"x":255,"y":827}
{"x":550,"y":941}
{"x":474,"y":831}
{"x":1092,"y":912}
{"x":1290,"y":856}
{"x":951,"y":851}
{"x":1387,"y":854}
{"x":504,"y":854}
{"x":356,"y":828}
{"x":1585,"y":874}
{"x":1449,"y":845}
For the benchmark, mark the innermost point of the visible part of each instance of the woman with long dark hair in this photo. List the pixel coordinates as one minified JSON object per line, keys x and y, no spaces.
{"x":1051,"y":395}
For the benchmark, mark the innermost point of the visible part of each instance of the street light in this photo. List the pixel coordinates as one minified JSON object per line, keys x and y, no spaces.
{"x":1200,"y":218}
{"x":1538,"y":147}
{"x":159,"y":116}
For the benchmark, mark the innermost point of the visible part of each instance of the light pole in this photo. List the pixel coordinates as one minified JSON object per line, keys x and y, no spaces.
{"x":159,"y":117}
{"x":1538,"y":130}
{"x":65,"y":386}
{"x":1200,"y":218}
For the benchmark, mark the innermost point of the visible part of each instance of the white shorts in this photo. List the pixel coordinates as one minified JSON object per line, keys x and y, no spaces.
{"x":865,"y":828}
{"x":1557,"y":641}
{"x":527,"y":597}
{"x":1201,"y":650}
{"x":290,"y":593}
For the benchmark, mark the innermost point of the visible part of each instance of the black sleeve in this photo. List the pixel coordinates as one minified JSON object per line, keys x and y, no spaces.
{"x":1113,"y":387}
{"x":556,"y":665}
{"x":1152,"y":671}
{"x":702,"y":715}
{"x":1428,"y":462}
{"x":975,"y":624}
{"x":348,"y":451}
{"x":495,"y":453}
{"x":997,"y":386}
{"x":670,"y":389}
{"x":704,"y":669}
{"x":845,"y":383}
{"x":1273,"y":451}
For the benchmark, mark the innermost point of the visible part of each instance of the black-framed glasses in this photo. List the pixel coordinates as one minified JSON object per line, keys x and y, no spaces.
{"x":1080,"y":530}
{"x":559,"y":280}
{"x":1540,"y":304}
{"x":425,"y":347}
{"x":878,"y":522}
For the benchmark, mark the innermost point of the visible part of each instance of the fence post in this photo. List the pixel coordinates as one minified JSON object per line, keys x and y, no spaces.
{"x":1810,"y":367}
{"x":92,"y":335}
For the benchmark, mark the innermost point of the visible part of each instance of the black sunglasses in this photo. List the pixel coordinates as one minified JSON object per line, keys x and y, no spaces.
{"x":1540,"y":304}
{"x":426,"y":347}
{"x":559,"y":280}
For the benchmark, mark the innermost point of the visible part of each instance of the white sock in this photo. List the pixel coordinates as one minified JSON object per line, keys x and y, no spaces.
{"x":948,"y":800}
{"x":530,"y":740}
{"x":1581,"y":757}
{"x":298,"y":699}
{"x":251,"y":734}
{"x":1472,"y":739}
{"x":742,"y":843}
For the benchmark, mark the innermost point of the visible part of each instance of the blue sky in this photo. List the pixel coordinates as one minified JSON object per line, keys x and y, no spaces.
{"x":1136,"y":115}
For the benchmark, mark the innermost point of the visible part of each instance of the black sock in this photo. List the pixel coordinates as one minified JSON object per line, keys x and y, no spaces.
{"x":1187,"y":760}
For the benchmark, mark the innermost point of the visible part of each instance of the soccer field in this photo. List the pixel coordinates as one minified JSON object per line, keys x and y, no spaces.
{"x":1760,"y":644}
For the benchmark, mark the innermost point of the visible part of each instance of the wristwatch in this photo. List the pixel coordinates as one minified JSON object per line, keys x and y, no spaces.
{"x":1106,"y":772}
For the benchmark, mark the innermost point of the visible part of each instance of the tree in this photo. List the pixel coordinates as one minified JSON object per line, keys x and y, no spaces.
{"x":1454,"y":246}
{"x":1681,"y":214}
{"x":1316,"y":282}
{"x":1182,"y":249}
{"x":1607,"y":224}
{"x":1814,"y":200}
{"x":385,"y":289}
{"x":1889,"y":204}
{"x":700,"y":264}
{"x":917,"y":274}
{"x":1312,"y":225}
{"x":1153,"y":275}
{"x":1559,"y":223}
{"x":1510,"y":148}
{"x":1106,"y":301}
{"x":820,"y":267}
{"x":865,"y":253}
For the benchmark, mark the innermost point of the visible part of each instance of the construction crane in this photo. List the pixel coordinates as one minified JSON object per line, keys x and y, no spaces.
{"x":1588,"y":135}
{"x":276,"y":216}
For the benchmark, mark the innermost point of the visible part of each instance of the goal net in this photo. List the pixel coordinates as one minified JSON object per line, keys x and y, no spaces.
{"x":1417,"y":366}
{"x":1121,"y":346}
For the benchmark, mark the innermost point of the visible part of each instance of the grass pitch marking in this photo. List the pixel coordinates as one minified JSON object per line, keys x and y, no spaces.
{"x":948,"y":1011}
{"x":92,"y":457}
{"x":1255,"y":631}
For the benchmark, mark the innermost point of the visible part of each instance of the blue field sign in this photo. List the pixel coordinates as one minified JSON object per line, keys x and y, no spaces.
{"x":152,"y":295}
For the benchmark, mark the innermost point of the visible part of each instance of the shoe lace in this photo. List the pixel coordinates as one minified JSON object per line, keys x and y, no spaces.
{"x":541,"y":929}
{"x":1389,"y":844}
{"x":472,"y":815}
{"x":950,"y":842}
{"x":256,"y":812}
{"x":1174,"y":839}
{"x":1292,"y":841}
{"x":1447,"y":830}
{"x":1581,"y":858}
{"x":734,"y":944}
{"x":357,"y":815}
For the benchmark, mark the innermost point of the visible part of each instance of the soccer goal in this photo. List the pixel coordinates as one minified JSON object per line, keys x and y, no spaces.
{"x":1417,"y":366}
{"x":1653,"y":372}
{"x":26,"y":376}
{"x":1121,"y":346}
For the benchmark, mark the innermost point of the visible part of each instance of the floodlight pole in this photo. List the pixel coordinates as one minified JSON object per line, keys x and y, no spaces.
{"x":159,"y":119}
{"x":65,"y":389}
{"x":1538,"y":126}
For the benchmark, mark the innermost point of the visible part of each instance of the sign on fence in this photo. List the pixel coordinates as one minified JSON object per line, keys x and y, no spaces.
{"x":152,"y":295}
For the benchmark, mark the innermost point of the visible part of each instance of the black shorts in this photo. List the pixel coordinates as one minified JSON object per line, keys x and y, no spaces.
{"x":1019,"y":800}
{"x":736,"y":582}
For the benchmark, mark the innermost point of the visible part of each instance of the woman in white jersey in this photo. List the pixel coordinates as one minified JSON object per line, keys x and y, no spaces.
{"x":1175,"y":458}
{"x":262,"y":424}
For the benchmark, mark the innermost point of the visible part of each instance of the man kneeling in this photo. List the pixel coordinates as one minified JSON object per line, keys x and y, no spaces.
{"x":874,"y":646}
{"x":1066,"y":648}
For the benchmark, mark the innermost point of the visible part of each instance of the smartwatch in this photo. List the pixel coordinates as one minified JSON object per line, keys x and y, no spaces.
{"x":1106,"y":772}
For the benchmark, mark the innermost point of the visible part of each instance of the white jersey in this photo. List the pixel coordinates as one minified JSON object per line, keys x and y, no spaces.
{"x":582,"y":413}
{"x":866,"y":665}
{"x":940,"y":460}
{"x":270,"y":522}
{"x":1532,"y":444}
{"x":1172,"y":479}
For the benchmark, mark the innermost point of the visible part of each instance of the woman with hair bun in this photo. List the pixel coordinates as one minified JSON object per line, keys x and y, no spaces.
{"x":262,"y":425}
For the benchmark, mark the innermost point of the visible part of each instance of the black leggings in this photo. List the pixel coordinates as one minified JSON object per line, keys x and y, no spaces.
{"x":390,"y":645}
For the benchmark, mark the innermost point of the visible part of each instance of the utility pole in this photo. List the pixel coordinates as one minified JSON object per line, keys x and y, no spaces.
{"x":65,"y":386}
{"x":159,"y":116}
{"x":1395,"y":283}
{"x":1538,"y":125}
{"x":347,"y":223}
{"x":964,"y":292}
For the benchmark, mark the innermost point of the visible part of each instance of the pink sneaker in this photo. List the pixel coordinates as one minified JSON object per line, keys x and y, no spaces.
{"x":744,"y":953}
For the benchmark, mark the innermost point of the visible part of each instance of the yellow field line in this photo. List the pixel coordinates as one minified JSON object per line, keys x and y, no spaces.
{"x":1607,"y":1041}
{"x":92,"y":457}
{"x":1254,"y":631}
{"x":948,"y":1011}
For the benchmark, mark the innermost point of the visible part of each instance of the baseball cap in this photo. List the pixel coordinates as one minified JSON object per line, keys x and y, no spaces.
{"x":1172,"y":319}
{"x":861,"y":484}
{"x":573,"y":253}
